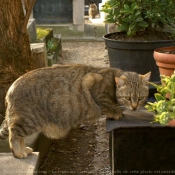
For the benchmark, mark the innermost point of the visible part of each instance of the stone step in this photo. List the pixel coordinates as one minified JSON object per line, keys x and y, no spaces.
{"x":10,"y":165}
{"x":39,"y":54}
{"x":38,"y":142}
{"x":64,"y":30}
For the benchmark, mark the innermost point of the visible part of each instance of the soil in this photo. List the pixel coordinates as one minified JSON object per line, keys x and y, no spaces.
{"x":168,"y":51}
{"x":140,"y":36}
{"x":84,"y":150}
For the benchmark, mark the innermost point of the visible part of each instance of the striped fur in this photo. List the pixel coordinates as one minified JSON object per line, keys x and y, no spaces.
{"x":55,"y":99}
{"x":4,"y":132}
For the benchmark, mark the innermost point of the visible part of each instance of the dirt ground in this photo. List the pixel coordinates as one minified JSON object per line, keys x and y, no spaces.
{"x":85,"y":150}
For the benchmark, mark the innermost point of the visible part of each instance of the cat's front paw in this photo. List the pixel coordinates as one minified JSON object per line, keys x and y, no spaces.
{"x":116,"y":116}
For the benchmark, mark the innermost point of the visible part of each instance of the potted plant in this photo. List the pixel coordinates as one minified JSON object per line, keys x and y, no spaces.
{"x":52,"y":45}
{"x":163,"y":107}
{"x":140,"y":28}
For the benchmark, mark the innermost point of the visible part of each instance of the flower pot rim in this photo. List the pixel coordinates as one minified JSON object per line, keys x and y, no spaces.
{"x":105,"y":37}
{"x":166,"y":58}
{"x":170,"y":48}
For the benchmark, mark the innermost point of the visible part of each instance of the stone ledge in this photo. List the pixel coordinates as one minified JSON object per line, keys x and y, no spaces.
{"x":39,"y":54}
{"x":10,"y":165}
{"x":83,"y":38}
{"x":38,"y":142}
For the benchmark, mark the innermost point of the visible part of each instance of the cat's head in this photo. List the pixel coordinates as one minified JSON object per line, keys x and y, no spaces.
{"x":132,"y":89}
{"x":92,"y":5}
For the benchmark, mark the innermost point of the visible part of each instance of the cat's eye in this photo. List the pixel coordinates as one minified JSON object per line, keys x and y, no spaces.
{"x":128,"y":98}
{"x":141,"y":98}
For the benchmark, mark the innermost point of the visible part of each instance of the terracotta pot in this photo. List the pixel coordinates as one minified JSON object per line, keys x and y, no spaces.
{"x":172,"y":123}
{"x":165,"y":61}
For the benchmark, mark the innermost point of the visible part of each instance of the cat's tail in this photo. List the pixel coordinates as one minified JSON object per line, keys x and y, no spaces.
{"x":4,"y":132}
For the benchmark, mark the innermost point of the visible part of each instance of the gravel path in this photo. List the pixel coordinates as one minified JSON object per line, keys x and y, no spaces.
{"x":85,"y":150}
{"x":90,"y":53}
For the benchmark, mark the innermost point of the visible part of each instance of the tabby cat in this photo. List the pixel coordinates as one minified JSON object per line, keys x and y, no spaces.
{"x":55,"y":99}
{"x":93,"y":10}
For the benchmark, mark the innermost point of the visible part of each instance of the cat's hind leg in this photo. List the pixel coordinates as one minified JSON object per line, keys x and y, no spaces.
{"x":17,"y":145}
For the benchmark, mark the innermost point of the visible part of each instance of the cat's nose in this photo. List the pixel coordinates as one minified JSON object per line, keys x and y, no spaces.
{"x":134,"y":107}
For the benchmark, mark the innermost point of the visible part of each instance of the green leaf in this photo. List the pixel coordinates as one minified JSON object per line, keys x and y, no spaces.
{"x":122,"y":28}
{"x":164,"y":118}
{"x":164,"y":78}
{"x":114,"y":17}
{"x":137,"y":13}
{"x":109,"y":20}
{"x":139,"y":19}
{"x":126,"y":7}
{"x":172,"y":115}
{"x":173,"y":101}
{"x":143,"y":24}
{"x":132,"y":26}
{"x":127,"y":19}
{"x":173,"y":78}
{"x":151,"y":106}
{"x":133,"y":6}
{"x":165,"y":90}
{"x":161,"y":106}
{"x":153,"y":84}
{"x":159,"y":97}
{"x":126,"y":12}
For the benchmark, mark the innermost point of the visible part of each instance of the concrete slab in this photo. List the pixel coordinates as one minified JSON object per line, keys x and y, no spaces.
{"x":64,"y":29}
{"x":12,"y":166}
{"x":96,"y":20}
{"x":39,"y":53}
{"x":83,"y":38}
{"x":30,"y":141}
{"x":38,"y":142}
{"x":89,"y":30}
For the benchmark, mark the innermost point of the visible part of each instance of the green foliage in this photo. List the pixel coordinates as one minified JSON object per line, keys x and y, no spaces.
{"x":164,"y":108}
{"x":52,"y":45}
{"x":132,"y":16}
{"x":41,"y":33}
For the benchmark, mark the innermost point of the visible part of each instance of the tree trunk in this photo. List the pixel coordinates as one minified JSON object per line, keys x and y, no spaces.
{"x":15,"y":53}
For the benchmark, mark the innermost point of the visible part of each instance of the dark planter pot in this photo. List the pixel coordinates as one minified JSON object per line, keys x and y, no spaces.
{"x":134,"y":56}
{"x":138,"y":146}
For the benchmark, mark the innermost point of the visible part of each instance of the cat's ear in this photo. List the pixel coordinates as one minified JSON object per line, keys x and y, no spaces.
{"x":120,"y":80}
{"x":146,"y":77}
